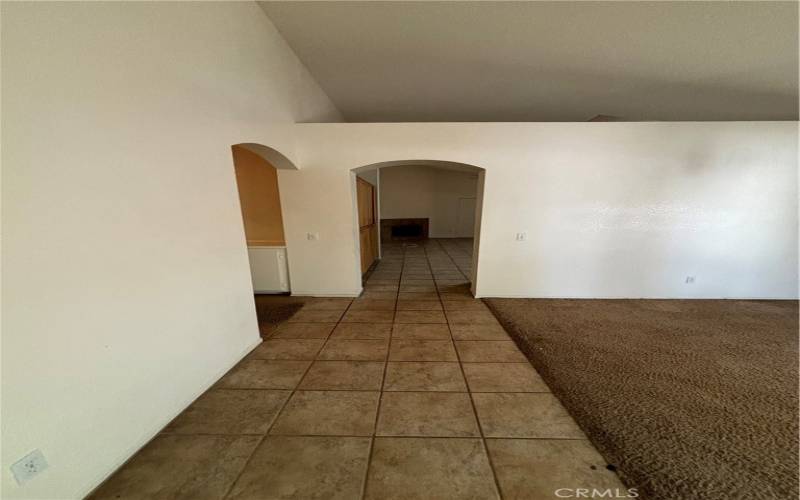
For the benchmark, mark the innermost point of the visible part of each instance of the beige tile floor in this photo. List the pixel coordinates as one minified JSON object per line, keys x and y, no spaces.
{"x":412,"y":390}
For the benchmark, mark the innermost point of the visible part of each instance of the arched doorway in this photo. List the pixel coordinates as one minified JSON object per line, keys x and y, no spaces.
{"x":429,"y":209}
{"x":256,"y":167}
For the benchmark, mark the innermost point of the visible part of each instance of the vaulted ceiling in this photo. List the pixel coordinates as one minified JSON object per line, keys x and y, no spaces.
{"x":549,"y":61}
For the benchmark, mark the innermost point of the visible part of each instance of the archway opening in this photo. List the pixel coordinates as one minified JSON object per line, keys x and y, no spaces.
{"x":256,"y":168}
{"x":425,"y":217}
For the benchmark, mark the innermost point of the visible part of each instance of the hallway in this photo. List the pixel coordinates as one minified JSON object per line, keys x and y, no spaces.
{"x":412,"y":390}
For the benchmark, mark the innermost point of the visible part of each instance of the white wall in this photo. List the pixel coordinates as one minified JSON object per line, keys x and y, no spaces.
{"x":427,"y":192}
{"x":126,"y":288}
{"x":610,"y":209}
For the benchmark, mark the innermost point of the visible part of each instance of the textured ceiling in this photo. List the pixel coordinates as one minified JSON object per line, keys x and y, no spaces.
{"x":549,"y":61}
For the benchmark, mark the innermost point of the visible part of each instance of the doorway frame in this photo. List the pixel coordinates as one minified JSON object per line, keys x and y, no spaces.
{"x":444,"y":164}
{"x":277,"y":160}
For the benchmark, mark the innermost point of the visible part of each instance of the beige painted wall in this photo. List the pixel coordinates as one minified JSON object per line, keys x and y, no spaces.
{"x":257,"y":182}
{"x":428,"y":192}
{"x":609,"y":209}
{"x":126,"y":287}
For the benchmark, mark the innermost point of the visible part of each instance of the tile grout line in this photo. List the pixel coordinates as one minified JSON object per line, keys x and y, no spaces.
{"x":471,"y":400}
{"x":383,"y":383}
{"x":280,"y":411}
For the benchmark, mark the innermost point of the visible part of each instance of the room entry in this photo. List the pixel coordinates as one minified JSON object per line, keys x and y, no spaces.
{"x":430,"y":204}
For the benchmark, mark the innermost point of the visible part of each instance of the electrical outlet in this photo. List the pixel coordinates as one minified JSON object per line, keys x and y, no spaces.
{"x":690,"y":280}
{"x":522,"y":236}
{"x":29,"y":466}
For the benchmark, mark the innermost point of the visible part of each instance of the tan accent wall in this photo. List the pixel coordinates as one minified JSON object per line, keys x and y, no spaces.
{"x":259,"y":197}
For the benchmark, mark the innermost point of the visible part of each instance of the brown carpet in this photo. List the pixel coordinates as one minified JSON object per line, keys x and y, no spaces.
{"x":688,"y":399}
